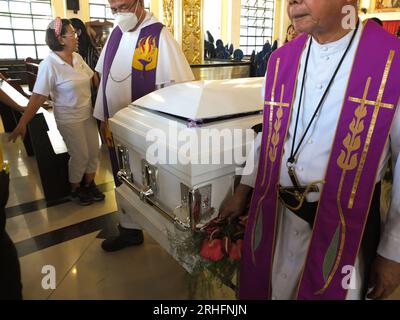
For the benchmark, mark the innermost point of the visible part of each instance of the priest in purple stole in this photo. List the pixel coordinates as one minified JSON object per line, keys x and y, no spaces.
{"x":139,"y":57}
{"x":331,"y":125}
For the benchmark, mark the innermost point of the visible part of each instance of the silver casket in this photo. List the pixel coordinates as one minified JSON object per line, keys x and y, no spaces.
{"x":180,"y":149}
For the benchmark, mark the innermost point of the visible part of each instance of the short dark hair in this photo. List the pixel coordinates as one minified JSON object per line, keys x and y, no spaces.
{"x":51,"y":38}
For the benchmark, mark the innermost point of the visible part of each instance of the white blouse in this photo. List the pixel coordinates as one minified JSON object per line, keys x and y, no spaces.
{"x":68,"y":87}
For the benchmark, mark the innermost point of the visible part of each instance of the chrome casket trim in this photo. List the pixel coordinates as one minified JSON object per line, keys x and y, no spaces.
{"x":146,"y":196}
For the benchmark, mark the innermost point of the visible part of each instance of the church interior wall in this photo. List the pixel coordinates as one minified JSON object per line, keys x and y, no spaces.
{"x":370,"y":5}
{"x":228,"y":29}
{"x":230,"y":17}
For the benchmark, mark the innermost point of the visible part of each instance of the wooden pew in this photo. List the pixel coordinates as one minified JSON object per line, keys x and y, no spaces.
{"x":4,"y":71}
{"x":31,"y":71}
{"x":48,"y":147}
{"x":16,"y":83}
{"x":6,"y":112}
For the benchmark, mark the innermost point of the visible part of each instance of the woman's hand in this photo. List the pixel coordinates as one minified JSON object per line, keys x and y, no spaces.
{"x":20,"y":130}
{"x":35,"y":102}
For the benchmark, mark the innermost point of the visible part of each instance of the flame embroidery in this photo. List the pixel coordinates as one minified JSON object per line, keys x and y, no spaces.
{"x":146,"y":53}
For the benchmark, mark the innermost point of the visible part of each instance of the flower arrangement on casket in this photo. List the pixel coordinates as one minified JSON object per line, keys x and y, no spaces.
{"x":213,"y":252}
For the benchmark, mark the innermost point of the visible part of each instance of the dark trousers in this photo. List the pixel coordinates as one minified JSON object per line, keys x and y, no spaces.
{"x":10,"y":274}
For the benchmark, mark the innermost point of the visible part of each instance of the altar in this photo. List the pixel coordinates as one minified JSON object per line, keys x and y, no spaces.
{"x":219,"y":70}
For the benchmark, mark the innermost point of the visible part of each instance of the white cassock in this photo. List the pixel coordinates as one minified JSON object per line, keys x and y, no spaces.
{"x":172,"y":68}
{"x":294,"y":234}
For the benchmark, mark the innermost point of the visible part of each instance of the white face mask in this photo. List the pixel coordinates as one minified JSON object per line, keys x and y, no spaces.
{"x":127,"y":20}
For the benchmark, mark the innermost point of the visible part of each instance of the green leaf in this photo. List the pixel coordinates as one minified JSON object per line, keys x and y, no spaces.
{"x":330,"y":255}
{"x":258,"y":230}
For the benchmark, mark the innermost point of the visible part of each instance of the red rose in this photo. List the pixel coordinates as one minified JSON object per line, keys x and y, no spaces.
{"x":212,"y":249}
{"x":235,"y":252}
{"x":239,"y":244}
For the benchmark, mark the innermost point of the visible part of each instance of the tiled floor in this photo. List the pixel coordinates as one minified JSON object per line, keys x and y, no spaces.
{"x":62,"y":236}
{"x":83,"y":269}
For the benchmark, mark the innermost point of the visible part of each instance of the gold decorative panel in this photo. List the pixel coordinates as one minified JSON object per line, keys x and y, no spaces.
{"x":168,"y":14}
{"x":192,"y":35}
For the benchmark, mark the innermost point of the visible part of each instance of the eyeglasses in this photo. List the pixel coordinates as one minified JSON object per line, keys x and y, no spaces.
{"x":124,"y":7}
{"x":72,"y":34}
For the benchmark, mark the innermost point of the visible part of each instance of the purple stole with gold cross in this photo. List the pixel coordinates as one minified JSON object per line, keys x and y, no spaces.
{"x":143,"y":78}
{"x":363,"y":128}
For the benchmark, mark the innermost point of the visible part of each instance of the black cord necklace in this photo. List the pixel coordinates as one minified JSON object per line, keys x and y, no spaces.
{"x":293,"y":152}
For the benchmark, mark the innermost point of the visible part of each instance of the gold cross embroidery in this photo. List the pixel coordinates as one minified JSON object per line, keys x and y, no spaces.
{"x":347,"y":163}
{"x":378,"y":104}
{"x":273,"y":104}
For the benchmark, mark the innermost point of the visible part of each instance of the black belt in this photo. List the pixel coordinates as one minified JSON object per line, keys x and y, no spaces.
{"x":308,"y":210}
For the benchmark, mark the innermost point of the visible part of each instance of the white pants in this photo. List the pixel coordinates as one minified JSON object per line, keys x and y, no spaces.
{"x":128,"y":221}
{"x":82,"y":141}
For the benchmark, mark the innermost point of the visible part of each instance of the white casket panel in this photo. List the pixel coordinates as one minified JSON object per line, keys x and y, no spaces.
{"x":191,"y":109}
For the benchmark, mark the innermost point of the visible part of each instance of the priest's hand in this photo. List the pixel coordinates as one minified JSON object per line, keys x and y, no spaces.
{"x":236,"y":204}
{"x":106,"y":134}
{"x":384,"y":278}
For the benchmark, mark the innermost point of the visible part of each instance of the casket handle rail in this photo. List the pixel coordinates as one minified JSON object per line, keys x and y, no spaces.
{"x":145,"y":196}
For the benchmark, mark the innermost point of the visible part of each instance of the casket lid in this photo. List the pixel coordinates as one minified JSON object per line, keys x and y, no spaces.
{"x":206,"y":99}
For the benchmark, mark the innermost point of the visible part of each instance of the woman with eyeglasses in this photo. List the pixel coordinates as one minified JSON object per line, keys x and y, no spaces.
{"x":86,"y":47}
{"x":66,"y":78}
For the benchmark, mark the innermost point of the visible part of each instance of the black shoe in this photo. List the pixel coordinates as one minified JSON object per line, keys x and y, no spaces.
{"x":126,"y":238}
{"x":82,"y":195}
{"x":97,"y":195}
